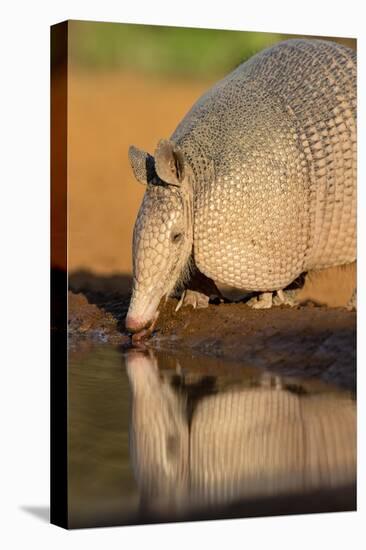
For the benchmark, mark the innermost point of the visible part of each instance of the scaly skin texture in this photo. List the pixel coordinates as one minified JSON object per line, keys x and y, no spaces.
{"x":153,"y":247}
{"x":273,"y":150}
{"x":258,"y":180}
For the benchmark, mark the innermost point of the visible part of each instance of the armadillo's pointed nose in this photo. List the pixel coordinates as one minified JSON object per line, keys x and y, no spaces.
{"x":134,"y":324}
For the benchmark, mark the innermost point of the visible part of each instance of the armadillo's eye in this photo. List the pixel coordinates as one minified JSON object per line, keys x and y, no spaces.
{"x":176,"y":237}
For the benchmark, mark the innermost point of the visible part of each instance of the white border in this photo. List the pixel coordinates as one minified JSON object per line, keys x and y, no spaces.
{"x":25,"y":281}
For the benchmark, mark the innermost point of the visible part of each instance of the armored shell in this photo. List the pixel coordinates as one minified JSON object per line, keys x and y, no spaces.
{"x":273,"y":150}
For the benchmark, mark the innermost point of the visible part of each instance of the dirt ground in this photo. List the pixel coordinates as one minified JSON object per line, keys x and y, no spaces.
{"x":107,"y":113}
{"x":317,"y":340}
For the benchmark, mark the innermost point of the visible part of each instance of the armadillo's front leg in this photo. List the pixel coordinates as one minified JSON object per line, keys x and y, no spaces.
{"x":193,"y":298}
{"x":263,"y":301}
{"x":285,"y":297}
{"x":198,"y":291}
{"x":268,"y":299}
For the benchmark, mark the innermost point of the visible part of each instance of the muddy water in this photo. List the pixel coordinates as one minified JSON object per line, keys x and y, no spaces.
{"x":165,"y":436}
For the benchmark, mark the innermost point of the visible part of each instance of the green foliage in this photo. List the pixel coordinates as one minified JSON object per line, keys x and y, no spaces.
{"x":172,"y":51}
{"x":162,"y":50}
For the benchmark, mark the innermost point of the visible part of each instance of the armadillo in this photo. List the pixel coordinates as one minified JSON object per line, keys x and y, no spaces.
{"x":257,"y":184}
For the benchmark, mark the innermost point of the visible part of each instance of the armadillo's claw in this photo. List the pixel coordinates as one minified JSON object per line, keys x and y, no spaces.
{"x":263,"y":301}
{"x":193,"y":298}
{"x":181,"y":300}
{"x":268,"y":299}
{"x":285,"y":297}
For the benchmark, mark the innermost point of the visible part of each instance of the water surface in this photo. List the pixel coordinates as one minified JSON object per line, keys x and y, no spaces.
{"x":165,"y":436}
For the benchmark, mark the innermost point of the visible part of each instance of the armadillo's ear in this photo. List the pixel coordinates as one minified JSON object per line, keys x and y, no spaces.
{"x":169,"y":162}
{"x":142,"y":164}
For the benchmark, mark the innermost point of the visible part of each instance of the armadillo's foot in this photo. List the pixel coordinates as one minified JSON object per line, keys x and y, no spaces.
{"x":193,"y":298}
{"x":263,"y":301}
{"x":285,"y":297}
{"x":352,"y":304}
{"x":268,"y":299}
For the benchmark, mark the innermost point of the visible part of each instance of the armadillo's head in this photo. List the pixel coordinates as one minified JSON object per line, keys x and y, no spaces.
{"x":163,"y":232}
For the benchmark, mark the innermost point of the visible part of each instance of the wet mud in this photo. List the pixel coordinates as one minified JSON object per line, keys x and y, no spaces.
{"x":319,"y":339}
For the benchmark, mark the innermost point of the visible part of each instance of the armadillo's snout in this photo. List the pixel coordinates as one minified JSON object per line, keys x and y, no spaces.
{"x":142,"y":324}
{"x":136,"y":324}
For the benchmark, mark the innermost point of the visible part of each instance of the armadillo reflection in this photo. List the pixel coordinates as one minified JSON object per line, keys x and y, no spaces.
{"x":258,"y":182}
{"x":239,"y":442}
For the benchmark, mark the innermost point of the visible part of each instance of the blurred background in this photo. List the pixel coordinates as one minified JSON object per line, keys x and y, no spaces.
{"x":131,"y":84}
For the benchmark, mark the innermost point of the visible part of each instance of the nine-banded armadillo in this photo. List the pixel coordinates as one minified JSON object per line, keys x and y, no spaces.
{"x":258,"y":182}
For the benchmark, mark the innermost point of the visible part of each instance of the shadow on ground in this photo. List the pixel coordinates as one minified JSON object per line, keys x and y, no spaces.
{"x":106,"y":285}
{"x":40,"y":512}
